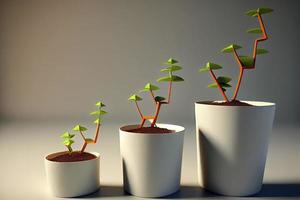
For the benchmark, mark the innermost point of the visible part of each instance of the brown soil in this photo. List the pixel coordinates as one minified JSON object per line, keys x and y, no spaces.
{"x":223,"y":103}
{"x":151,"y":130}
{"x":75,"y":156}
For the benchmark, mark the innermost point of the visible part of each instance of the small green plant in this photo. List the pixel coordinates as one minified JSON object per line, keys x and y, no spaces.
{"x":67,"y":140}
{"x":67,"y":137}
{"x":244,"y":62}
{"x":171,"y":67}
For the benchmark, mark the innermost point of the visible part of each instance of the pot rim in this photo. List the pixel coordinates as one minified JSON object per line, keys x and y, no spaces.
{"x":94,"y":153}
{"x":253,"y":103}
{"x":178,"y":129}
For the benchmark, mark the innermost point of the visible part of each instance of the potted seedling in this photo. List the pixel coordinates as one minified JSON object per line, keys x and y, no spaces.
{"x":74,"y":173}
{"x":232,"y":135}
{"x":151,"y":155}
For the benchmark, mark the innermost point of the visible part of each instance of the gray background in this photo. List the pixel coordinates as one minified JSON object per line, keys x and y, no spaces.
{"x":58,"y":57}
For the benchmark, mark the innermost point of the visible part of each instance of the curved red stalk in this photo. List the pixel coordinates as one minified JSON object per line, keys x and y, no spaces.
{"x":241,"y":67}
{"x":93,"y":141}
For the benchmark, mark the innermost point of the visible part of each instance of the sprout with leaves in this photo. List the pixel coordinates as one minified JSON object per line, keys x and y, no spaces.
{"x":67,"y":140}
{"x":244,"y":62}
{"x":81,"y":129}
{"x":171,"y":67}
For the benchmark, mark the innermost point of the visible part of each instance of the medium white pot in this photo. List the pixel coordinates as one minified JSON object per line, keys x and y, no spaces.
{"x":72,"y":179}
{"x":232,"y":143}
{"x":151,"y":162}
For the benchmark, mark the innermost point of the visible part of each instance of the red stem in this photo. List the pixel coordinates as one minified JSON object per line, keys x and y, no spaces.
{"x":265,"y":37}
{"x":97,"y":133}
{"x":139,"y":110}
{"x":82,"y":135}
{"x":240,"y":75}
{"x":153,"y":96}
{"x":158,"y":105}
{"x":219,"y":86}
{"x":83,"y":147}
{"x":169,"y":92}
{"x":241,"y":67}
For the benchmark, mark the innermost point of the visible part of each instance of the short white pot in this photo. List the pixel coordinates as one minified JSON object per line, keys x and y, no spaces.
{"x":232,"y":143}
{"x":151,"y":162}
{"x":72,"y":179}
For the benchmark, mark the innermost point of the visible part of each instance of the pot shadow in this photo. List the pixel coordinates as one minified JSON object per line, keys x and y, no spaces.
{"x":194,"y":191}
{"x":268,"y":190}
{"x":107,"y":191}
{"x":190,"y":191}
{"x":279,"y":190}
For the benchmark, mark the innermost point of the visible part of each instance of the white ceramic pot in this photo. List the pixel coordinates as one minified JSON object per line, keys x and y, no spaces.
{"x":151,"y":162}
{"x":72,"y":179}
{"x":232,"y":143}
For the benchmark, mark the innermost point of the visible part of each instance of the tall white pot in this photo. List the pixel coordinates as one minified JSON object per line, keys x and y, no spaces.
{"x":232,"y":143}
{"x":72,"y":179}
{"x":151,"y":162}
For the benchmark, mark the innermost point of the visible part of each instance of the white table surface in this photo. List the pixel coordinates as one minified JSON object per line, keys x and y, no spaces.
{"x":23,"y":146}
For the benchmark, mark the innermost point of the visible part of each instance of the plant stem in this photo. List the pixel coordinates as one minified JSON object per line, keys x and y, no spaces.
{"x":142,"y":123}
{"x":169,"y":92}
{"x":70,"y":149}
{"x":82,"y":135}
{"x":240,"y":75}
{"x":153,"y":96}
{"x":97,"y":133}
{"x":241,"y":67}
{"x":139,"y":110}
{"x":265,"y":37}
{"x":83,"y":147}
{"x":219,"y":86}
{"x":95,"y":138}
{"x":158,"y":105}
{"x":238,"y":84}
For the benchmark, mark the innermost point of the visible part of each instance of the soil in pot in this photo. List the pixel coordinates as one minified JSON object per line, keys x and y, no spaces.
{"x":66,"y":156}
{"x":151,"y":130}
{"x":223,"y":103}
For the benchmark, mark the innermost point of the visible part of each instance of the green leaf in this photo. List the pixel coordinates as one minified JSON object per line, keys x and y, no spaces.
{"x":67,"y":135}
{"x":213,"y":85}
{"x":68,"y":142}
{"x":208,"y":66}
{"x":204,"y":69}
{"x":261,"y":11}
{"x":264,"y":10}
{"x":223,"y":85}
{"x":79,"y":128}
{"x":246,"y":61}
{"x":261,"y":51}
{"x":171,"y":61}
{"x":177,"y":78}
{"x":254,"y":30}
{"x":97,"y":121}
{"x":171,"y":68}
{"x":98,"y":112}
{"x":172,"y":78}
{"x":165,"y":78}
{"x":159,"y":98}
{"x":252,"y":12}
{"x":149,"y":87}
{"x":135,"y":98}
{"x":223,"y":79}
{"x":230,"y":48}
{"x":99,"y":104}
